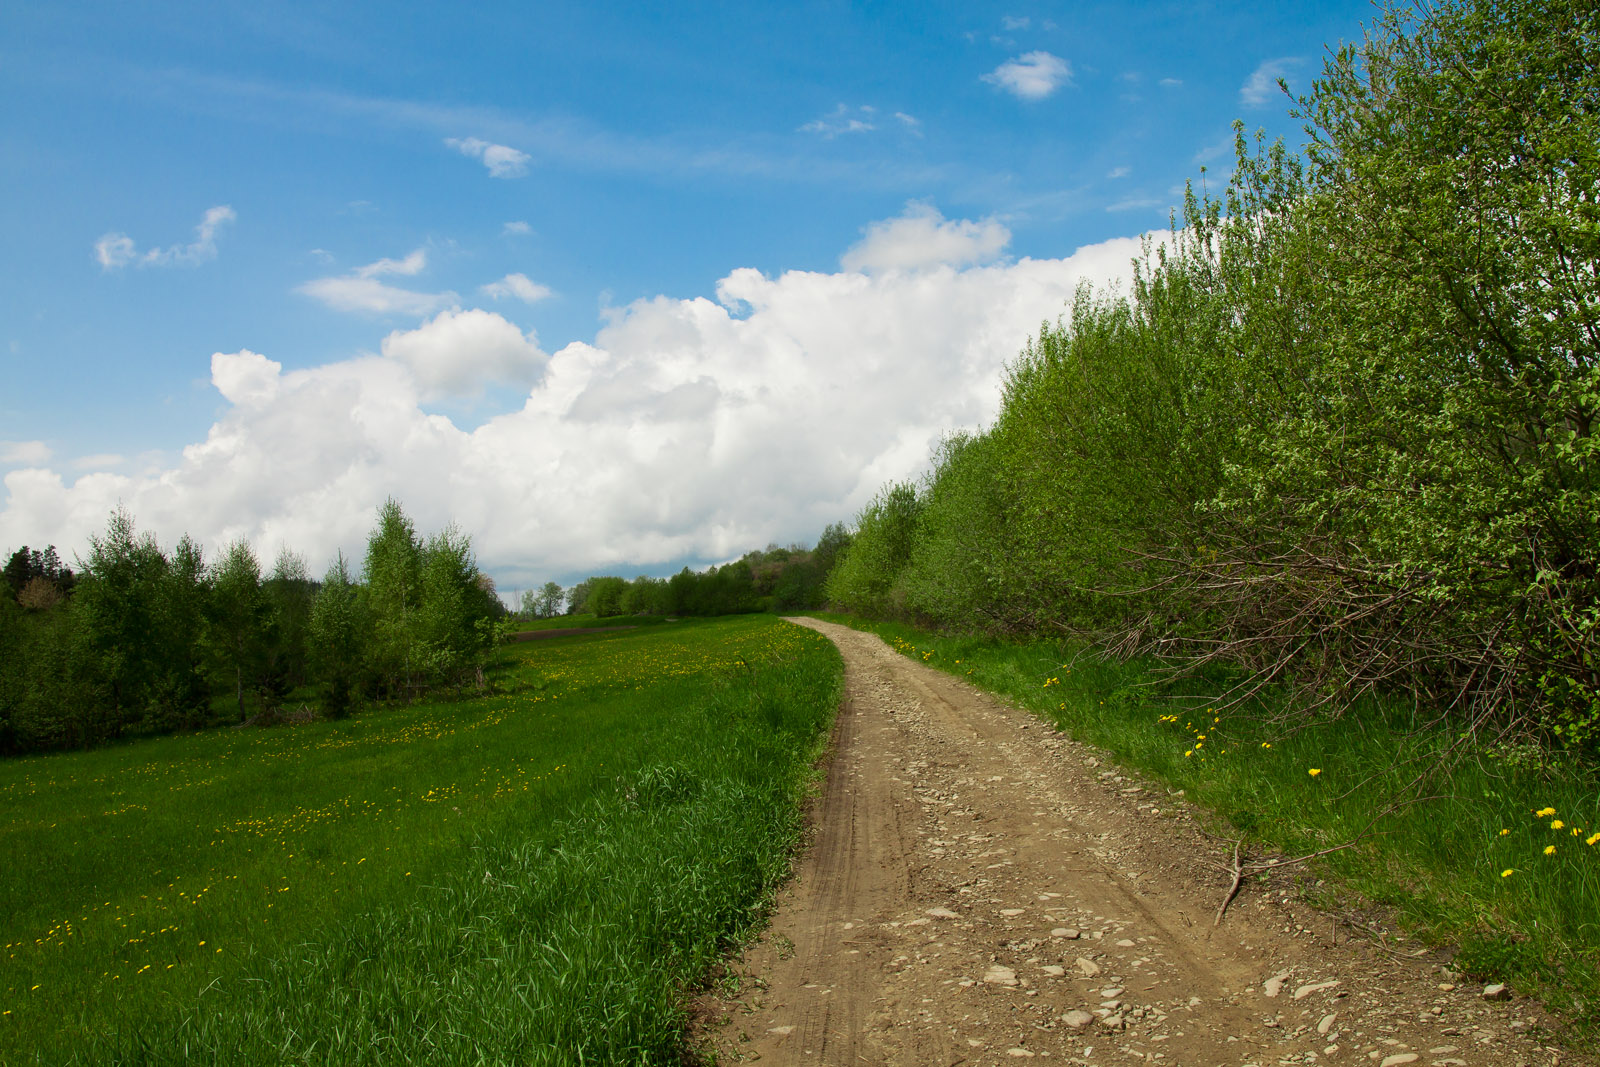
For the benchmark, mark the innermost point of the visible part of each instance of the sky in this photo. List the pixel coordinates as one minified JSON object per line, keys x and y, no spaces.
{"x":616,"y":288}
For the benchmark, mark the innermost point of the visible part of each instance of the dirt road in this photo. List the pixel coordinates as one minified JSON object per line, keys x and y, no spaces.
{"x":980,"y":889}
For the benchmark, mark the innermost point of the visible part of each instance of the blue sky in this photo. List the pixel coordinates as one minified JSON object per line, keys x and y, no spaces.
{"x":268,"y":263}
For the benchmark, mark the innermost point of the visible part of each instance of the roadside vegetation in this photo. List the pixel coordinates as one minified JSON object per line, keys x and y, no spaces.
{"x":534,"y":876}
{"x":1341,"y":433}
{"x":1307,"y":522}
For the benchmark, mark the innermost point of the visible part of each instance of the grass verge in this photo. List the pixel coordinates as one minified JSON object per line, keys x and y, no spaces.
{"x":1500,"y":863}
{"x":535,"y":876}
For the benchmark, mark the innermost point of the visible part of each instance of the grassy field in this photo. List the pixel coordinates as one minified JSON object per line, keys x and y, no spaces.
{"x":534,"y":876}
{"x":589,"y":622}
{"x":1503,"y":862}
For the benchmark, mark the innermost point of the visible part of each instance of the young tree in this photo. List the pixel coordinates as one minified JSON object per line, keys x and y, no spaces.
{"x":239,"y":618}
{"x":393,"y":573}
{"x":340,"y":629}
{"x":118,"y":597}
{"x":451,"y":643}
{"x":183,"y":606}
{"x":289,"y":593}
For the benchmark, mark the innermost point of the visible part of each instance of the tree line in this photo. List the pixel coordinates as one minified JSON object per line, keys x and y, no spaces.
{"x":1340,"y":431}
{"x":145,"y":640}
{"x":772,"y":579}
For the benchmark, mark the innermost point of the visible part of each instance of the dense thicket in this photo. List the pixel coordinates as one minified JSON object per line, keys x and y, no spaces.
{"x":1341,"y":430}
{"x":145,"y":640}
{"x":773,"y":579}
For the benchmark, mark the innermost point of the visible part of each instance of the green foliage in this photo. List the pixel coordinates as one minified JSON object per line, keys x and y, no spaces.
{"x":1341,"y":431}
{"x":340,"y":631}
{"x":146,"y":642}
{"x":239,"y":619}
{"x":393,"y":574}
{"x":606,"y":596}
{"x":866,"y":575}
{"x":118,"y":599}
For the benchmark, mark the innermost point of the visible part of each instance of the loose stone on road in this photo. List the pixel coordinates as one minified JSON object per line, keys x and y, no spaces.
{"x":981,"y":889}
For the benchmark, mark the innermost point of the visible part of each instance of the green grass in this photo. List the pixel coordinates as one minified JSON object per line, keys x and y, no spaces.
{"x":1438,"y":865}
{"x":535,"y":876}
{"x":584,"y":622}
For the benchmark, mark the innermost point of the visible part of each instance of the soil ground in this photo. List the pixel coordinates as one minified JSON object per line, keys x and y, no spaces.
{"x":981,"y":889}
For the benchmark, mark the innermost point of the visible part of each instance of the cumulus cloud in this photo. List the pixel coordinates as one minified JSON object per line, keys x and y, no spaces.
{"x":362,"y":289}
{"x":458,"y":353}
{"x":516,"y":228}
{"x":686,"y":429}
{"x":502,"y":161}
{"x":519,"y":286}
{"x":922,"y":238}
{"x":117,"y":250}
{"x":1032,"y":76}
{"x":1263,"y":81}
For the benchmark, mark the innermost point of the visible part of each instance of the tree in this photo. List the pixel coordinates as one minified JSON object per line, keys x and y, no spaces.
{"x":289,"y":593}
{"x":549,"y":600}
{"x":239,"y":618}
{"x":393,"y":573}
{"x":454,"y":605}
{"x":119,"y":596}
{"x":605,"y":595}
{"x":340,"y":628}
{"x":183,"y":605}
{"x":864,"y":578}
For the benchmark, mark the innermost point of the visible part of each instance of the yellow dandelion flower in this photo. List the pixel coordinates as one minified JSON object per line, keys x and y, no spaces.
{"x":1542,"y":812}
{"x":1314,"y":771}
{"x":1266,"y":744}
{"x":1557,"y":824}
{"x":1592,"y":839}
{"x":1504,"y":832}
{"x":1549,"y":850}
{"x":1189,"y":753}
{"x":1508,"y":872}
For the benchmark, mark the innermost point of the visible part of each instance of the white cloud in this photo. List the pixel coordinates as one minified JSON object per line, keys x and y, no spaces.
{"x":1033,"y":76}
{"x":457,"y":353}
{"x":502,"y":161}
{"x":688,"y":429}
{"x":98,"y":461}
{"x":519,"y":286}
{"x":843,"y":119}
{"x":1118,"y":172}
{"x":921,"y":238}
{"x":1263,"y":81}
{"x":361,"y":290}
{"x":517,"y":228}
{"x":1011,"y":22}
{"x":24,"y":453}
{"x":1170,"y":83}
{"x":117,"y":250}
